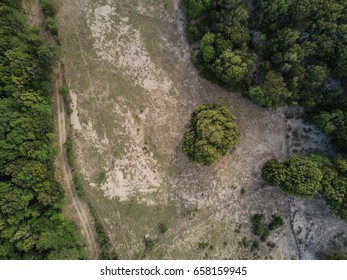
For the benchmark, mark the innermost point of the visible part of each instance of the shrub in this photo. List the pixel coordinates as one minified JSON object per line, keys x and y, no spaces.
{"x":163,"y":228}
{"x":275,"y":223}
{"x":48,"y":8}
{"x":212,"y":134}
{"x":52,"y":26}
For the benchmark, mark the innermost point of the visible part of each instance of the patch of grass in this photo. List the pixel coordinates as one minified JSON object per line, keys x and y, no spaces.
{"x":163,"y":228}
{"x":271,"y":244}
{"x":244,"y":243}
{"x":79,"y":187}
{"x":64,"y":91}
{"x":102,"y":177}
{"x":52,"y":26}
{"x":149,"y":244}
{"x":203,"y":245}
{"x":69,"y":150}
{"x":166,"y":4}
{"x":255,"y":246}
{"x":107,"y":250}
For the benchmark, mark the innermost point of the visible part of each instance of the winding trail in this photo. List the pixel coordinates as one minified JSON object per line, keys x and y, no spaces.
{"x":82,"y":212}
{"x":63,"y":169}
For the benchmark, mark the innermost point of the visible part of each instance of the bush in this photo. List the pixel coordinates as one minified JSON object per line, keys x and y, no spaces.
{"x":203,"y":245}
{"x":259,"y":228}
{"x":149,"y":244}
{"x":212,"y":134}
{"x":194,"y":33}
{"x":275,"y":223}
{"x":48,"y":8}
{"x":163,"y":228}
{"x":52,"y":26}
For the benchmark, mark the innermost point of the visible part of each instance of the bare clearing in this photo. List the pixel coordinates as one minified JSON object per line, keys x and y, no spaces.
{"x":133,"y":88}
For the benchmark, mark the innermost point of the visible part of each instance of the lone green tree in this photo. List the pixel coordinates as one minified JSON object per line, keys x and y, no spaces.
{"x":212,"y":134}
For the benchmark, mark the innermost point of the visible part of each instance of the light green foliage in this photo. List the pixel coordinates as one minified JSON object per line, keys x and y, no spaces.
{"x":206,"y":47}
{"x":212,"y":134}
{"x":52,"y":25}
{"x":306,"y":176}
{"x":273,"y":172}
{"x":229,"y":67}
{"x":299,"y":176}
{"x":258,"y":96}
{"x":302,"y":177}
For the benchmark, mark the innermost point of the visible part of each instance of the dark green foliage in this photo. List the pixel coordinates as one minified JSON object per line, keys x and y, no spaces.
{"x":255,"y":246}
{"x":107,"y":250}
{"x":195,"y":32}
{"x":212,"y":134}
{"x":149,"y":244}
{"x":261,"y":229}
{"x":223,"y":53}
{"x":275,"y":223}
{"x":300,"y":47}
{"x":274,"y":89}
{"x":163,"y":228}
{"x":50,"y":9}
{"x":31,"y":223}
{"x":197,"y":7}
{"x":335,"y":256}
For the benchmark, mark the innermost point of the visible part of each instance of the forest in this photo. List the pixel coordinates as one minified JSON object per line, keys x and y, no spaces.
{"x":32,"y":225}
{"x":283,"y":52}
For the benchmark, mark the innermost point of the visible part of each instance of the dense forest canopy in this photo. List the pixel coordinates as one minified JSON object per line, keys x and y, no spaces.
{"x":283,"y":52}
{"x":32,"y":225}
{"x":278,"y":52}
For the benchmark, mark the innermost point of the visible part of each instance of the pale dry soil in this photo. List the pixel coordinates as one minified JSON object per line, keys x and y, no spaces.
{"x":132,"y":88}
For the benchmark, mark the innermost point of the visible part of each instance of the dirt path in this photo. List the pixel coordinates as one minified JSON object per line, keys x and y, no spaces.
{"x":81,"y":210}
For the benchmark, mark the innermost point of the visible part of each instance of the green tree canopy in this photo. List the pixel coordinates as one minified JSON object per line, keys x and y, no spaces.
{"x":298,"y":175}
{"x":229,"y":67}
{"x":212,"y":134}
